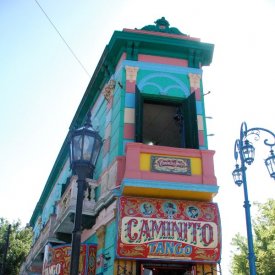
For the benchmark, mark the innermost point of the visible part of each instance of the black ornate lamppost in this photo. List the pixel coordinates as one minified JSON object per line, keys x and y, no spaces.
{"x":85,"y":145}
{"x":244,"y":153}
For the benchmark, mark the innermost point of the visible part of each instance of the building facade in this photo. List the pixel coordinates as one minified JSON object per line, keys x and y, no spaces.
{"x":148,"y":208}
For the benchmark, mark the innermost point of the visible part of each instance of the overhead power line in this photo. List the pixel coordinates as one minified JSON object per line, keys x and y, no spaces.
{"x":70,"y":49}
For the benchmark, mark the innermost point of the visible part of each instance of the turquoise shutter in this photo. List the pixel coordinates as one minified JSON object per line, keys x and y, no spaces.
{"x":190,"y":123}
{"x":138,"y":116}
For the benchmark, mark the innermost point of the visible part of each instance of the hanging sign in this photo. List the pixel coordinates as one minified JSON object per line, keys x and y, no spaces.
{"x":168,"y":229}
{"x":171,"y":165}
{"x":57,"y":259}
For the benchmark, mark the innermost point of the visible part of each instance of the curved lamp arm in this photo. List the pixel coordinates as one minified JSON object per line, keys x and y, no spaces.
{"x":244,"y":149}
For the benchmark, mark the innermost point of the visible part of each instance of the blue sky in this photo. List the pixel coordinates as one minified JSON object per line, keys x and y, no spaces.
{"x":41,"y":85}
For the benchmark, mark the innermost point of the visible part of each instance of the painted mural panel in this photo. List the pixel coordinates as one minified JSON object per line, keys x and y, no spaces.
{"x":57,"y":260}
{"x":168,"y":230}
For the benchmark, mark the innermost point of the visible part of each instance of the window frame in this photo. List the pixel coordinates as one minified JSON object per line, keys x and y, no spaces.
{"x":188,"y":112}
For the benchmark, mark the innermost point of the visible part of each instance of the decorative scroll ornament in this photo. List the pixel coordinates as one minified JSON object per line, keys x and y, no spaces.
{"x":109,"y":90}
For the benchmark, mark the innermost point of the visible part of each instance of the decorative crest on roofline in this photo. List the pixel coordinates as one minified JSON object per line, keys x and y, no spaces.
{"x":162,"y":25}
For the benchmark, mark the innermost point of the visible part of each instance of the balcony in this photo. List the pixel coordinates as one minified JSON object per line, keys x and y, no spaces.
{"x":161,"y":171}
{"x":34,"y":260}
{"x":66,"y":209}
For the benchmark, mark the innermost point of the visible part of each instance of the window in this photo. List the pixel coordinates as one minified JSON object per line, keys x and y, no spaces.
{"x":166,"y":122}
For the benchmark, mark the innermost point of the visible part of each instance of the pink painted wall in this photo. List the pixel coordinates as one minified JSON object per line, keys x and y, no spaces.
{"x":132,"y":165}
{"x":163,"y":60}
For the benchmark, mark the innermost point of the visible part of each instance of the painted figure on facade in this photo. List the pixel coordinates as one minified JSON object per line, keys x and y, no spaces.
{"x":147,"y":209}
{"x":193,"y":212}
{"x":170,"y":209}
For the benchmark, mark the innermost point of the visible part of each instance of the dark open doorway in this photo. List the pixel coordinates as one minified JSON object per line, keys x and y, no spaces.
{"x":159,"y":125}
{"x":166,"y":122}
{"x":166,"y":269}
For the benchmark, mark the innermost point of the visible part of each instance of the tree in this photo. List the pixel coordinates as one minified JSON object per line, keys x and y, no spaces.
{"x":264,"y":243}
{"x":19,"y":245}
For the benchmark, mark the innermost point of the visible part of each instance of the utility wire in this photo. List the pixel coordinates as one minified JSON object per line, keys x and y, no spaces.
{"x":70,"y":49}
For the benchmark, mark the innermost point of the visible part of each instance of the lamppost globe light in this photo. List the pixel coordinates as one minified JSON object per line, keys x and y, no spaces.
{"x":85,"y":145}
{"x":248,"y":152}
{"x":270,"y":164}
{"x":238,"y":175}
{"x":245,"y":151}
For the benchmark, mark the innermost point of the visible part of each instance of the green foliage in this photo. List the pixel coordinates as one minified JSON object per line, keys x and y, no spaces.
{"x":264,"y":228}
{"x":264,"y":243}
{"x":239,"y":260}
{"x":19,"y":245}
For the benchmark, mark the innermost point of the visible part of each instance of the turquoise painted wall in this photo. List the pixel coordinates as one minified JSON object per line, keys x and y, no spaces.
{"x":110,"y":234}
